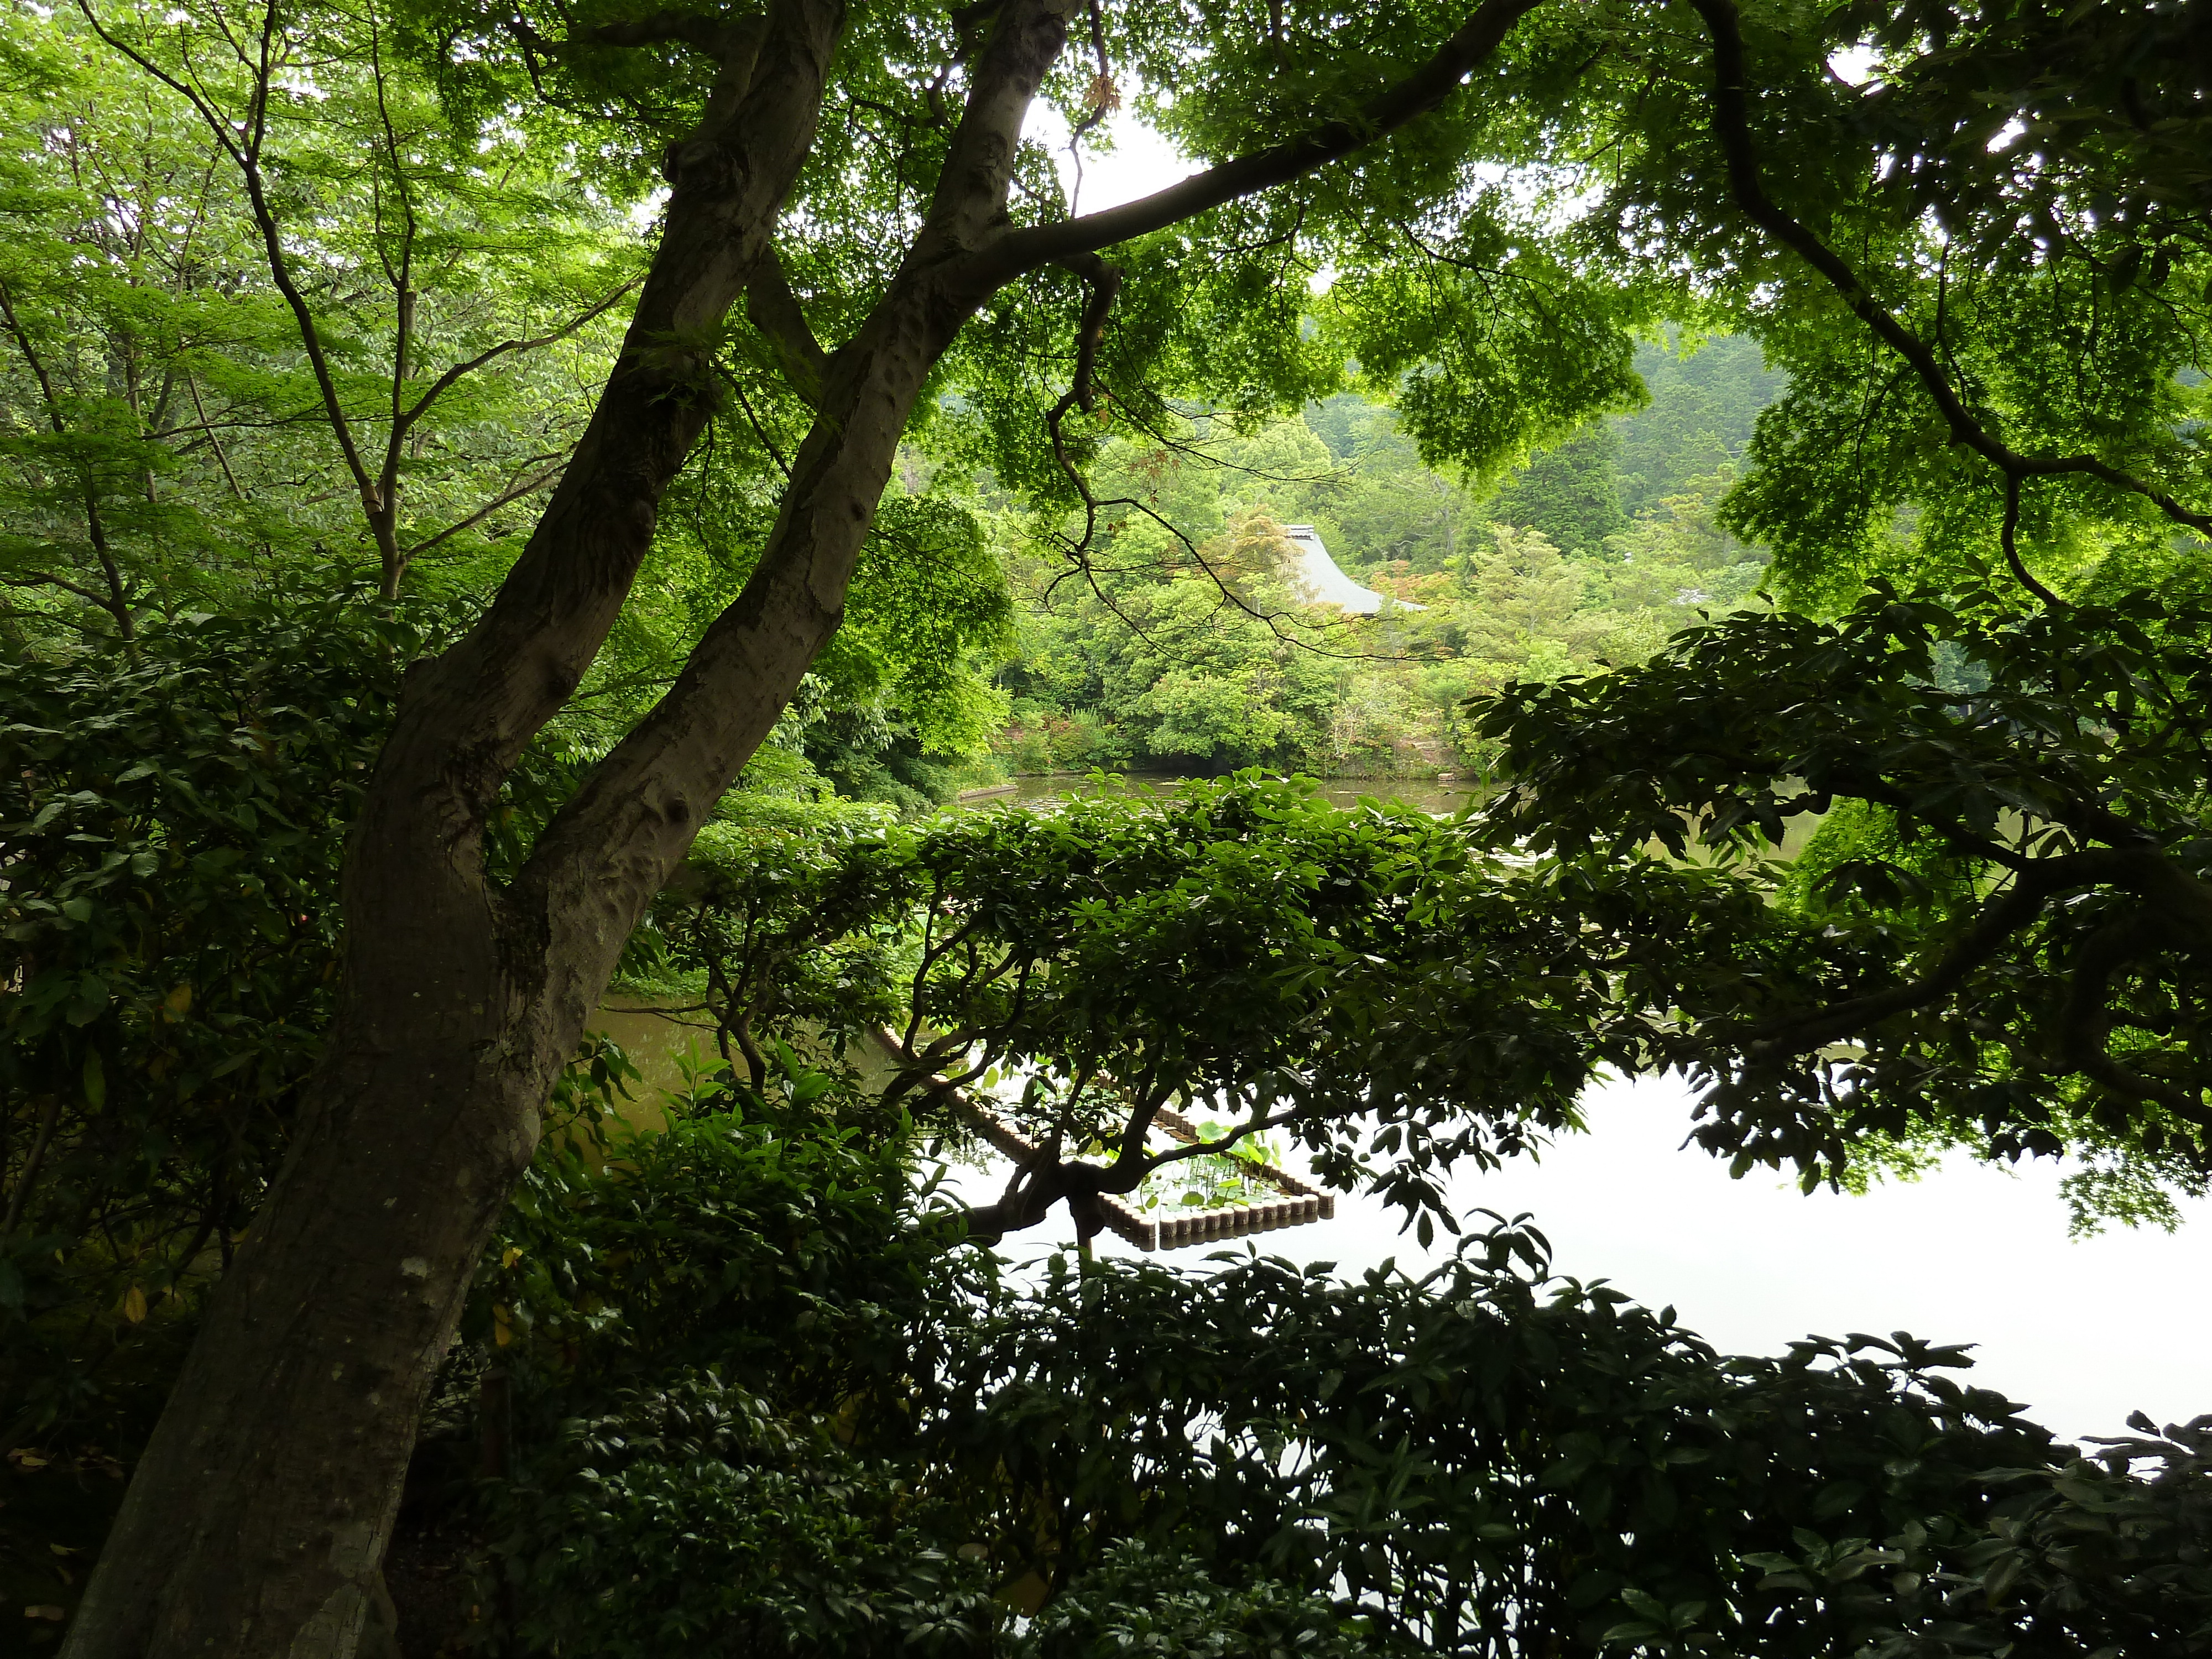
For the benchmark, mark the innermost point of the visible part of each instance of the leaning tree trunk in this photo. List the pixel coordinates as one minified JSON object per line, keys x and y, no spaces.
{"x":265,"y":1500}
{"x":260,"y":1512}
{"x":256,"y":1523}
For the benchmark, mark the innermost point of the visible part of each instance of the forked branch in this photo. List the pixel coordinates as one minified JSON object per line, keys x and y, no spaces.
{"x":2085,"y":1025}
{"x":1732,"y":129}
{"x":1800,"y":1033}
{"x":774,"y":309}
{"x":1425,"y":89}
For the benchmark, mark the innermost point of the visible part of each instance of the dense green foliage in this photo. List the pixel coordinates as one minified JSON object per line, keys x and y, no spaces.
{"x":169,"y":439}
{"x":1994,"y":924}
{"x":317,"y":299}
{"x":2000,"y":932}
{"x":168,"y":443}
{"x":764,"y":1405}
{"x":1374,"y":982}
{"x":1152,"y":663}
{"x":734,"y":1343}
{"x":173,"y":828}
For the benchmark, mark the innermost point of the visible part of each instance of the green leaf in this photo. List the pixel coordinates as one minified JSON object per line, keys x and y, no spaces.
{"x":1649,"y":1604}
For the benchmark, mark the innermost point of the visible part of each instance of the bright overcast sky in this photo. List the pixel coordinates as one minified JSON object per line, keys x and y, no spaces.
{"x":1141,"y":163}
{"x":2082,"y":1331}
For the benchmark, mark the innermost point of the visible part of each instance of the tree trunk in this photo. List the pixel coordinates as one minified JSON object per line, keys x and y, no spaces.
{"x":257,"y":1521}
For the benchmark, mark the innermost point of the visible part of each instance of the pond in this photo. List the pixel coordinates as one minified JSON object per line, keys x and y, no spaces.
{"x":663,"y":1041}
{"x":1427,"y":793}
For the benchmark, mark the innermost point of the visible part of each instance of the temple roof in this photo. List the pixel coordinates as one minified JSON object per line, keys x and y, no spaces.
{"x":1325,"y":584}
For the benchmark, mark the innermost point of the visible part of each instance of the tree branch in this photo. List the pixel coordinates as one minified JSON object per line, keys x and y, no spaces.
{"x":2085,"y":1025}
{"x":384,"y":517}
{"x":192,"y":385}
{"x":1794,"y":1034}
{"x":2008,"y":541}
{"x":1025,"y":250}
{"x":447,"y":382}
{"x":2174,"y":901}
{"x":18,"y":1200}
{"x":247,"y":158}
{"x":643,"y":803}
{"x":703,"y":32}
{"x":774,"y":309}
{"x":1732,"y":129}
{"x":1200,"y":1148}
{"x":513,"y":493}
{"x":117,"y":605}
{"x":466,"y":715}
{"x":1104,"y":281}
{"x":47,"y":579}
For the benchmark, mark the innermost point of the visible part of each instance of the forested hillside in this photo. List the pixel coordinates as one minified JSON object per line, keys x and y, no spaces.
{"x":1204,"y":656}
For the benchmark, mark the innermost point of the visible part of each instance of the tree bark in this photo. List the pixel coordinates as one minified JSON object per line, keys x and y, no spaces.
{"x":256,"y":1520}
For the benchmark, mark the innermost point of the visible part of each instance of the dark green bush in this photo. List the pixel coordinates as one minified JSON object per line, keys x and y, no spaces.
{"x":768,"y":1403}
{"x":171,"y":827}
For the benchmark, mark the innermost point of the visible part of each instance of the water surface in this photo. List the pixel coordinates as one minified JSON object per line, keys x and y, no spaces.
{"x":1424,"y":793}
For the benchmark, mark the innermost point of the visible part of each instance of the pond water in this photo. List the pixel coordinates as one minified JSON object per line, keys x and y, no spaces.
{"x":1752,"y":1264}
{"x":1426,"y":793}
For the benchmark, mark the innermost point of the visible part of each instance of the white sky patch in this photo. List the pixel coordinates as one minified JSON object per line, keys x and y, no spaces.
{"x":2006,"y":136}
{"x":1141,"y":163}
{"x":1854,"y":65}
{"x":644,"y":214}
{"x":301,"y":84}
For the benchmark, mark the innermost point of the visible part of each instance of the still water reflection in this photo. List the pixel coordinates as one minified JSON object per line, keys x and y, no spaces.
{"x":1424,"y":793}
